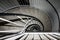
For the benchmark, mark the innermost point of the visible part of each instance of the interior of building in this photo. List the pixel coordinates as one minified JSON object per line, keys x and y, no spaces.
{"x":29,"y":16}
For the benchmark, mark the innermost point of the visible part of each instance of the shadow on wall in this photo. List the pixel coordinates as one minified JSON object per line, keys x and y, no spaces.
{"x":23,"y":2}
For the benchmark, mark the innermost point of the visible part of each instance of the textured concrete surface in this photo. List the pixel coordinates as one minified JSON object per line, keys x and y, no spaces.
{"x":42,"y":16}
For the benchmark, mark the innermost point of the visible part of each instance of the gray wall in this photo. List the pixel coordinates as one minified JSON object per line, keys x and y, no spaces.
{"x":46,"y":7}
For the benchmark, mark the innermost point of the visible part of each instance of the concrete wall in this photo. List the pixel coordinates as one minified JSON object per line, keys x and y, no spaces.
{"x":46,"y":7}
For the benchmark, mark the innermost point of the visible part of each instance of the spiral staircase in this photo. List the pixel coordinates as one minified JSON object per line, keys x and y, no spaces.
{"x":18,"y":22}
